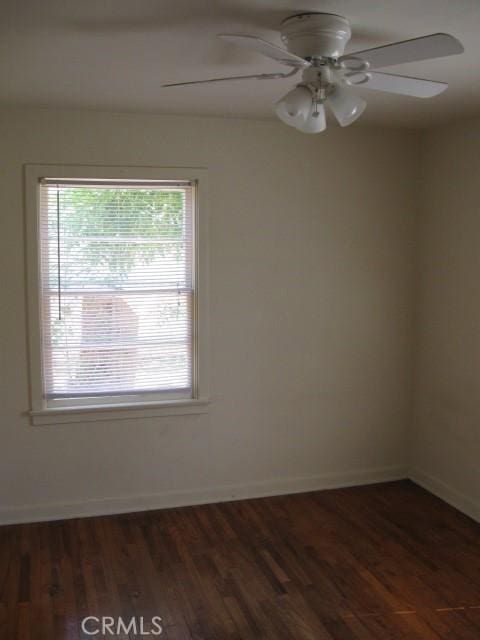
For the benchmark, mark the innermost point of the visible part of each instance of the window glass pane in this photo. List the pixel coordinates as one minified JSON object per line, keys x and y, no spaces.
{"x":117,"y":289}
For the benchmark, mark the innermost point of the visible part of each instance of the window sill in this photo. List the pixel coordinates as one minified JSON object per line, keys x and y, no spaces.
{"x":64,"y":415}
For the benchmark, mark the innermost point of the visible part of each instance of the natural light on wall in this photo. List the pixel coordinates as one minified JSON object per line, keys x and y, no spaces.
{"x":117,"y":287}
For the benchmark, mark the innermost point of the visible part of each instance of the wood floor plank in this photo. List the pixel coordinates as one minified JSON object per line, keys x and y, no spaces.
{"x":383,"y":562}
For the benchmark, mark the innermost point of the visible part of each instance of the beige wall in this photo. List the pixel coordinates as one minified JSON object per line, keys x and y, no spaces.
{"x":445,"y":438}
{"x":311,"y":278}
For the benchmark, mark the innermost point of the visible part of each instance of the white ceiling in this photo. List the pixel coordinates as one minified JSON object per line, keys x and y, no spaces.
{"x":115,"y":54}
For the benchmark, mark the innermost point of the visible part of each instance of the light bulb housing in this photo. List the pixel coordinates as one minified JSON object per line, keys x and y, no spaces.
{"x":295,"y":106}
{"x":345,"y":105}
{"x":315,"y":122}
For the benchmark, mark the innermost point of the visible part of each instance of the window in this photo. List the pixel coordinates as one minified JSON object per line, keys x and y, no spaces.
{"x":117,"y":291}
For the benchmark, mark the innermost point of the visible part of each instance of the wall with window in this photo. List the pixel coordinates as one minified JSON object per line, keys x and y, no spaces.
{"x":310,"y":259}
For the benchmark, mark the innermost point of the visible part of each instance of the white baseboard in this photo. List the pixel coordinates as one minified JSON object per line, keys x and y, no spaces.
{"x":447,"y":493}
{"x":182,"y":498}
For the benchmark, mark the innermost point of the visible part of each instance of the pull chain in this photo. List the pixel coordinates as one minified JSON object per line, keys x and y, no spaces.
{"x":318,"y":97}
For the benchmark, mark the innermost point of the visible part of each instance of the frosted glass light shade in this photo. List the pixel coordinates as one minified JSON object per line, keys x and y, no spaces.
{"x":315,"y":122}
{"x":346,"y":106}
{"x":293,"y":108}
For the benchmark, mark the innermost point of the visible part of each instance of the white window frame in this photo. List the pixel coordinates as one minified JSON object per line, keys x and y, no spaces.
{"x":39,"y":413}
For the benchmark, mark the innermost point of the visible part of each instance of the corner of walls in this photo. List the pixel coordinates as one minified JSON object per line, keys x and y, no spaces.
{"x":415,"y":276}
{"x":420,"y":205}
{"x":446,"y":492}
{"x":443,"y":438}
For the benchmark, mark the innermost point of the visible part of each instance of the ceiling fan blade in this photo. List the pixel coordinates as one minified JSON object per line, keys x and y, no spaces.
{"x":255,"y":76}
{"x":436,"y":45}
{"x":405,"y":85}
{"x":265,"y":48}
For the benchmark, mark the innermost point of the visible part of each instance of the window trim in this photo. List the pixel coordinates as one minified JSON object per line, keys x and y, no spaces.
{"x":39,"y":413}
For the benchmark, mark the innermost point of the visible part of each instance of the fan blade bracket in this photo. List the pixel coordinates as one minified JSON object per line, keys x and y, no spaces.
{"x":356,"y":78}
{"x":353,"y":63}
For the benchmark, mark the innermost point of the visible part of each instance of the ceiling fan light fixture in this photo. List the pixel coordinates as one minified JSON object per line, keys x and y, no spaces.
{"x":302,"y":110}
{"x":345,"y":105}
{"x":315,"y":122}
{"x":315,"y":44}
{"x":295,"y":106}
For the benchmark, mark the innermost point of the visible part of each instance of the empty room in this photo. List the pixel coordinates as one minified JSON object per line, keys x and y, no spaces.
{"x":240,"y":324}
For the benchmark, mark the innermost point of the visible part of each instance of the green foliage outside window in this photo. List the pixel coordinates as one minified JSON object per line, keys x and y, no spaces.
{"x":105,"y":233}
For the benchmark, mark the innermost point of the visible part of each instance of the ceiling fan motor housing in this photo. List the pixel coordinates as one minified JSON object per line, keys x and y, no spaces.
{"x":316,"y":35}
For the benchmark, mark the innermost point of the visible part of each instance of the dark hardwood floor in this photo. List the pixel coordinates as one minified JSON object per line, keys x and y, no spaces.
{"x":382,"y":562}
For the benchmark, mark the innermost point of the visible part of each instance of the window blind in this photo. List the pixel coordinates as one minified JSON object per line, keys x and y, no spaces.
{"x":117,"y":290}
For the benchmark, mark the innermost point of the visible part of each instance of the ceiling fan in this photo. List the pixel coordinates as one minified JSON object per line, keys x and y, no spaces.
{"x":315,"y":45}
